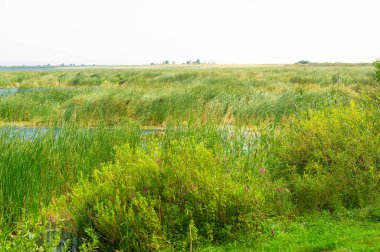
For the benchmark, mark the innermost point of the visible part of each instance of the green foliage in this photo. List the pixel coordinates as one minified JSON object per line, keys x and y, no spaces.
{"x":29,"y":235}
{"x":92,"y":243}
{"x":151,"y":198}
{"x":377,"y":73}
{"x":331,"y":159}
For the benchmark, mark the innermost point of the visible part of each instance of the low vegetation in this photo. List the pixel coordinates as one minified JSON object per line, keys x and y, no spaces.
{"x":331,"y":159}
{"x":377,"y":73}
{"x":245,"y":96}
{"x":259,"y":159}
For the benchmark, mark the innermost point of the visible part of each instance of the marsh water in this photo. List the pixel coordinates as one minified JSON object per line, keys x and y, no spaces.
{"x":10,"y":91}
{"x":32,"y":132}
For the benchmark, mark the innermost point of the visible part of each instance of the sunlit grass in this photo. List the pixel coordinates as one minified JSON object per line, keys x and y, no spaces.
{"x":159,"y":97}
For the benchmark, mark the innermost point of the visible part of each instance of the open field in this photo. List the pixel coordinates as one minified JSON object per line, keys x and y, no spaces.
{"x":251,"y":158}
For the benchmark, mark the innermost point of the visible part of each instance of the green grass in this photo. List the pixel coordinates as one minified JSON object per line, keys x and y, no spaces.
{"x":293,"y":74}
{"x":324,"y":233}
{"x":237,"y":96}
{"x":34,"y":169}
{"x":316,"y":232}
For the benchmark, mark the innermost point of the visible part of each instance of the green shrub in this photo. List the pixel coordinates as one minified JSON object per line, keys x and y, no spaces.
{"x":331,"y":159}
{"x":377,"y":73}
{"x":174,"y":197}
{"x":29,"y":235}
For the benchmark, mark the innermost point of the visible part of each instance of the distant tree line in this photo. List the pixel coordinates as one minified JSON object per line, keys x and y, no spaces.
{"x":188,"y":62}
{"x":303,"y":62}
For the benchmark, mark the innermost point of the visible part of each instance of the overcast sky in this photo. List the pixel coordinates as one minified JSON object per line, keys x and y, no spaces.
{"x":145,"y":31}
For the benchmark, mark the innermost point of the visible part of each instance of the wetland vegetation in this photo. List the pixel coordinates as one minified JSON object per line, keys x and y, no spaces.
{"x":252,"y":158}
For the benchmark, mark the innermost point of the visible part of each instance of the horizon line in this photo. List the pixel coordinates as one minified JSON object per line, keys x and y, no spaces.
{"x":181,"y":64}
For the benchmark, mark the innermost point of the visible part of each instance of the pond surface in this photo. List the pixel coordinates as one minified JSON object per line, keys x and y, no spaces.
{"x":27,"y":68}
{"x":26,"y":133}
{"x":30,"y":133}
{"x":249,"y":138}
{"x":10,"y":91}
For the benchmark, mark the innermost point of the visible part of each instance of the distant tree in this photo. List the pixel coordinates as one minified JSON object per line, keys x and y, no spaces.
{"x":173,"y":62}
{"x":152,"y":63}
{"x":188,"y":62}
{"x":198,"y":61}
{"x":303,"y":62}
{"x":166,"y":62}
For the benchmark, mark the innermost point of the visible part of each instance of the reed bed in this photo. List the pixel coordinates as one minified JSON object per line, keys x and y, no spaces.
{"x":37,"y":166}
{"x":158,"y":97}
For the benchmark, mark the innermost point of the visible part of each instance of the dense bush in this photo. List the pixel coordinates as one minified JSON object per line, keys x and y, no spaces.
{"x":377,"y":73}
{"x":173,"y":197}
{"x":331,"y":159}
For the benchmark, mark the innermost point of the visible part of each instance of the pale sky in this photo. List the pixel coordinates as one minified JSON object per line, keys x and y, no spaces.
{"x":144,"y":31}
